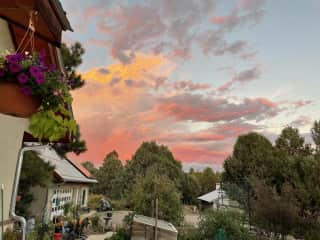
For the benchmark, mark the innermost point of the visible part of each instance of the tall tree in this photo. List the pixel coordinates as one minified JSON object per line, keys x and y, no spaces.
{"x":190,"y":188}
{"x":252,"y":154}
{"x":90,"y":167}
{"x":72,"y":59}
{"x":151,"y":155}
{"x":153,"y":186}
{"x":292,"y":143}
{"x":315,"y":132}
{"x":109,"y":175}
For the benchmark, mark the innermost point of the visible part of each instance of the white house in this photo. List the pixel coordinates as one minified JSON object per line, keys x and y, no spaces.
{"x":70,"y":185}
{"x":215,"y":199}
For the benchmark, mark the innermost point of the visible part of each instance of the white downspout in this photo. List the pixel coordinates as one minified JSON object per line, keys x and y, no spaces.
{"x":12,"y":213}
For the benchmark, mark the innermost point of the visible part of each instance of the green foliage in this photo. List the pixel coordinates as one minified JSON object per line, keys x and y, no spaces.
{"x":52,"y":126}
{"x":67,"y":208}
{"x":34,"y":172}
{"x":191,"y":188}
{"x":43,"y":231}
{"x":96,"y":224}
{"x":151,"y":187}
{"x":315,"y":133}
{"x":110,"y":176}
{"x":94,"y":201}
{"x":76,"y":146}
{"x":72,"y":58}
{"x":278,"y":186}
{"x":121,"y":234}
{"x":223,"y":223}
{"x":292,"y":143}
{"x":90,"y":167}
{"x":150,"y":155}
{"x":119,"y":204}
{"x":188,"y":234}
{"x":10,"y":235}
{"x":282,"y":216}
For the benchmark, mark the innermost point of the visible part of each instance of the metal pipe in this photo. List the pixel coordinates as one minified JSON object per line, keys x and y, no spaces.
{"x":13,"y":215}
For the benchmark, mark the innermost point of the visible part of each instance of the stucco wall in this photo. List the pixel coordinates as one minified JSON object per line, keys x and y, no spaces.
{"x":5,"y":37}
{"x":11,"y":134}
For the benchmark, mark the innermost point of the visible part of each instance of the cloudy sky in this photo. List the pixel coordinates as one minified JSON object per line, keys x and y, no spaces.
{"x":193,"y":75}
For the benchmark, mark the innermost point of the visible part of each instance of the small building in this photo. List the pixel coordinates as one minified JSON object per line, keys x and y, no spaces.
{"x":70,"y":185}
{"x":143,"y":228}
{"x":215,"y":199}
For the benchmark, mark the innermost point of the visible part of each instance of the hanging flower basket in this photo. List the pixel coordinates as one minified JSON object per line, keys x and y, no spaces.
{"x":29,"y":88}
{"x":14,"y":102}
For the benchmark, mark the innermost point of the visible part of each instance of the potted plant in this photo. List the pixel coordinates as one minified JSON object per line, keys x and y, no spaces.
{"x":30,"y":88}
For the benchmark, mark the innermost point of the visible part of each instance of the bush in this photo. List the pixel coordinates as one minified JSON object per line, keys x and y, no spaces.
{"x":10,"y":235}
{"x":96,"y":224}
{"x":122,"y":234}
{"x":120,"y":204}
{"x":223,"y":224}
{"x":94,"y":201}
{"x":188,"y":234}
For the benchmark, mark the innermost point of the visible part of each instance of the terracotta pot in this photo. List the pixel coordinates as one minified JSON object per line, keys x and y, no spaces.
{"x":14,"y":102}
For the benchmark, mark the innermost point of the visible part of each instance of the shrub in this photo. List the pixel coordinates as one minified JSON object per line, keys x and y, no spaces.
{"x":188,"y":234}
{"x":94,"y":201}
{"x":121,"y":234}
{"x":225,"y":224}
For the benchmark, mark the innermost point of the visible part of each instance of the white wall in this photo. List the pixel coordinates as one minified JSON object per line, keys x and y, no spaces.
{"x":11,"y":135}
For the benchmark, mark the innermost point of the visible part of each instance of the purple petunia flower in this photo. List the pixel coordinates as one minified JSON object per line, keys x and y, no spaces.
{"x":2,"y":72}
{"x":26,"y":91}
{"x":14,"y":58}
{"x":14,"y":67}
{"x":35,"y":71}
{"x":23,"y":78}
{"x":40,"y":79}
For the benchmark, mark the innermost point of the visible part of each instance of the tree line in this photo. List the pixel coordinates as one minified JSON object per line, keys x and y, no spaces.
{"x":277,"y":184}
{"x":152,"y":173}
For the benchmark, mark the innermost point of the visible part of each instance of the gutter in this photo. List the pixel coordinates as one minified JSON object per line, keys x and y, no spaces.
{"x":13,"y":215}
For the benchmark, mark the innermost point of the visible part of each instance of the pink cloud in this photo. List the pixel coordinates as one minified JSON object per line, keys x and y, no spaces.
{"x":191,"y":153}
{"x":301,"y":121}
{"x":188,"y":85}
{"x":242,"y":77}
{"x":199,"y":108}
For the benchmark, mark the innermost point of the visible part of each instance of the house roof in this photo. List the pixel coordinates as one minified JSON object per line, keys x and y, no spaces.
{"x":212,"y":196}
{"x":64,"y":168}
{"x":151,"y":222}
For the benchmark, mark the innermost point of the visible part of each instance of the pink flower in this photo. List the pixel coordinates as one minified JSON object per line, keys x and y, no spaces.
{"x":23,"y":78}
{"x":14,"y":58}
{"x":14,"y":67}
{"x":35,"y":71}
{"x":40,"y":79}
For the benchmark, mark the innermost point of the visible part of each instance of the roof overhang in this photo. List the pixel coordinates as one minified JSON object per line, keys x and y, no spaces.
{"x":51,"y":19}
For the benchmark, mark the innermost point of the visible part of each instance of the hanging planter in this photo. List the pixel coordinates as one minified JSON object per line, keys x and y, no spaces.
{"x":14,"y":102}
{"x":29,"y":88}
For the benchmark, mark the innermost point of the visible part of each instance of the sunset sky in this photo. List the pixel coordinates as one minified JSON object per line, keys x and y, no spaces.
{"x":192,"y":74}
